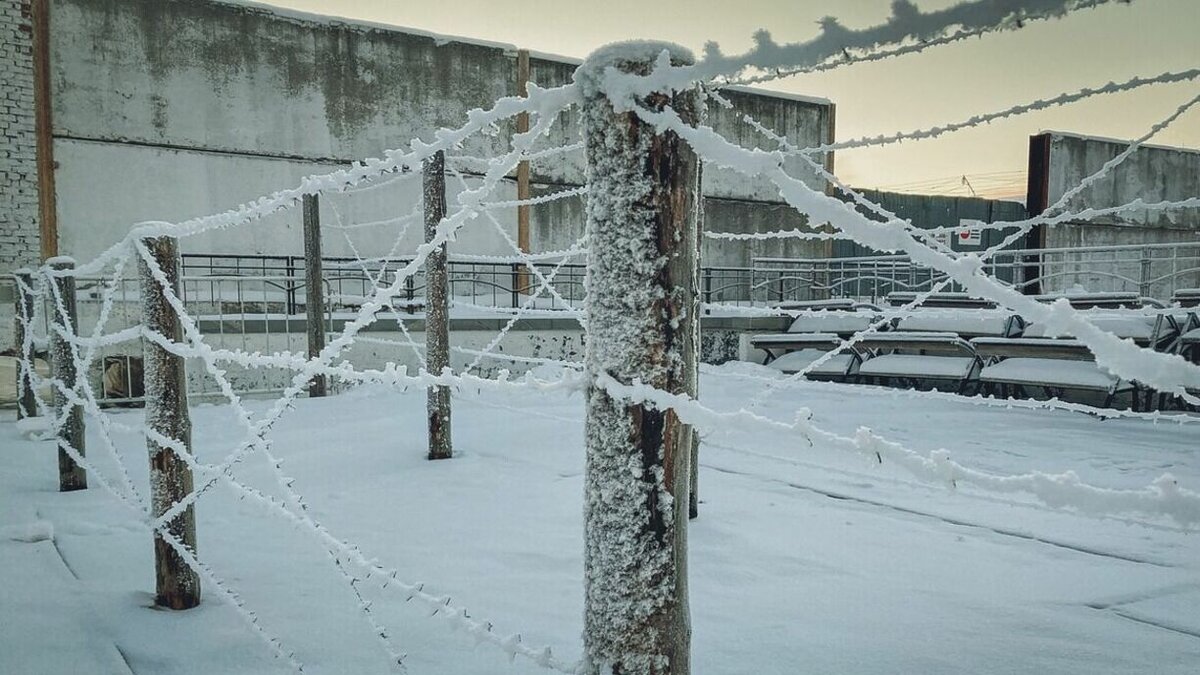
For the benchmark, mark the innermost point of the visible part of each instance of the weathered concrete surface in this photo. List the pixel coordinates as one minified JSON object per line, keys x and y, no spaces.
{"x":1152,"y":173}
{"x":97,"y":206}
{"x":205,"y":105}
{"x":934,"y":211}
{"x":227,"y":77}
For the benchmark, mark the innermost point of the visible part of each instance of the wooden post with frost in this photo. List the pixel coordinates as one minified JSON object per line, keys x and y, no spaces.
{"x":314,"y":303}
{"x":642,"y":234}
{"x":521,"y":280}
{"x":26,"y":354}
{"x":177,"y":585}
{"x":68,"y":415}
{"x":694,"y":369}
{"x":437,"y":308}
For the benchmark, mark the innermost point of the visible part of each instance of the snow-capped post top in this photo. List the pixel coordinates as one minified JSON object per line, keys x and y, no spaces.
{"x":624,"y":71}
{"x":59,"y":263}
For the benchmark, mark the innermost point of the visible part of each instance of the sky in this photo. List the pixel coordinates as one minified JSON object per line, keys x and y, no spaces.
{"x":947,"y":83}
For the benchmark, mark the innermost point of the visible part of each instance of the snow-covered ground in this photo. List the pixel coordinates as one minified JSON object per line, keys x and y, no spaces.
{"x":804,"y":559}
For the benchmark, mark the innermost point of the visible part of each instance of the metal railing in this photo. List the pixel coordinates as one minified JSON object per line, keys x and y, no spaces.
{"x":246,"y":312}
{"x":493,"y":284}
{"x":1150,"y":270}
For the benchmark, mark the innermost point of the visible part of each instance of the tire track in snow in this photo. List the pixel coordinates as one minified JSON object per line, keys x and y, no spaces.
{"x":1148,"y":622}
{"x":946,"y":519}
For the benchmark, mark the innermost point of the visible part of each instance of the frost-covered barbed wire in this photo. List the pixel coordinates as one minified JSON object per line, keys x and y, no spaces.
{"x":848,"y":58}
{"x":79,"y":393}
{"x":1053,"y":403}
{"x":984,"y":118}
{"x":527,"y":157}
{"x":922,"y":237}
{"x":231,"y":596}
{"x":141,"y":509}
{"x":540,"y":102}
{"x":543,"y":283}
{"x":542,"y":199}
{"x":376,"y":279}
{"x":388,"y":578}
{"x":468,"y":200}
{"x":907,"y":22}
{"x":192,"y":334}
{"x":1162,"y":497}
{"x":547,"y":256}
{"x":256,"y":438}
{"x":1072,"y":217}
{"x":472,"y":202}
{"x":1165,"y":372}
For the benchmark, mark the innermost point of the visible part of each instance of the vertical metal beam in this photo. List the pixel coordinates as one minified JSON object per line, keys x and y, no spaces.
{"x":437,"y":308}
{"x":314,"y":304}
{"x":44,"y":129}
{"x":64,"y":324}
{"x":177,"y":585}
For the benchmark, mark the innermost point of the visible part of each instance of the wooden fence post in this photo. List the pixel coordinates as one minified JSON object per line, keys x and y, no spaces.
{"x":437,"y":308}
{"x":693,"y":384}
{"x":314,"y":303}
{"x":522,"y":282}
{"x":177,"y":585}
{"x":65,"y":319}
{"x":26,"y":401}
{"x":642,"y":234}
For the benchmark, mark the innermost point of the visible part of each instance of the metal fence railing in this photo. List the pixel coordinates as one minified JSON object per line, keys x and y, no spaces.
{"x":256,"y":303}
{"x":1150,"y":270}
{"x":493,"y":284}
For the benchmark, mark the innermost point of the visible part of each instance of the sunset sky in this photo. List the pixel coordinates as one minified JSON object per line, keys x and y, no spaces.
{"x":1091,"y":47}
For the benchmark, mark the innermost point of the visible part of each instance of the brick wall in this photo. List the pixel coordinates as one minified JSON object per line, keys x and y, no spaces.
{"x":19,"y":243}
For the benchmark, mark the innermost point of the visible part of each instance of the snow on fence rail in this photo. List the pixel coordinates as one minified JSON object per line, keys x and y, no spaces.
{"x":1150,"y":270}
{"x":643,"y":145}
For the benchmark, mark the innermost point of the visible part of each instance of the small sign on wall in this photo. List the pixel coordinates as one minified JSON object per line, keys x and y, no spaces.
{"x":970,"y":232}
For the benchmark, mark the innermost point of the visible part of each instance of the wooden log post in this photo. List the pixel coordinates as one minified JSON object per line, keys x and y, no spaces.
{"x":26,"y":354}
{"x":314,"y":303}
{"x":437,"y":308}
{"x":693,"y":384}
{"x":65,"y":319}
{"x":641,"y":224}
{"x":177,"y":585}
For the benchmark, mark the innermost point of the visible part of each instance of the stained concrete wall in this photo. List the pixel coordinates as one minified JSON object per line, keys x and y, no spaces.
{"x":1152,"y":174}
{"x":1163,"y":247}
{"x":935,"y":211}
{"x":166,"y":110}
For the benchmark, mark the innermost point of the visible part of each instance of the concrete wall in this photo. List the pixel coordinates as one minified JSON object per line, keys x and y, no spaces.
{"x":1152,"y":173}
{"x":19,"y":243}
{"x":1168,"y":252}
{"x":935,"y":211}
{"x":166,"y":110}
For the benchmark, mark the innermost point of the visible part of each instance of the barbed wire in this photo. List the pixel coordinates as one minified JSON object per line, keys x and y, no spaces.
{"x":1161,"y":498}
